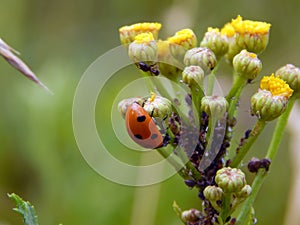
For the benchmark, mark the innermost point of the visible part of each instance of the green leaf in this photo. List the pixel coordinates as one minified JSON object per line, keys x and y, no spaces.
{"x":25,"y":209}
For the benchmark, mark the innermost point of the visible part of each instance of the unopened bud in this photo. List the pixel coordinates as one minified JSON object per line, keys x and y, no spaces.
{"x":290,"y":74}
{"x":230,"y":179}
{"x":201,"y":56}
{"x":214,"y":40}
{"x":247,"y":65}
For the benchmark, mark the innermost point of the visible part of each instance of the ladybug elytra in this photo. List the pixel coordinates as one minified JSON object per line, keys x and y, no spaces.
{"x":142,"y":128}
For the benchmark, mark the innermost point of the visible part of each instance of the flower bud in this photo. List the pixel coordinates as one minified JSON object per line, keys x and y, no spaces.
{"x":128,"y":33}
{"x":166,"y":62}
{"x":143,"y":49}
{"x":250,"y":35}
{"x":245,"y":192}
{"x":193,"y":75}
{"x":125,"y":103}
{"x":158,"y":107}
{"x":213,"y":193}
{"x":203,"y":57}
{"x":230,"y":179}
{"x":214,"y":106}
{"x":191,"y":215}
{"x":290,"y":74}
{"x":215,"y":41}
{"x":182,"y":41}
{"x":271,"y":99}
{"x":247,"y":65}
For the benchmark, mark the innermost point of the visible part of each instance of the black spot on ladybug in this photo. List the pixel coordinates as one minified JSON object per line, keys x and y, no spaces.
{"x":138,"y":136}
{"x":154,"y":136}
{"x":141,"y":119}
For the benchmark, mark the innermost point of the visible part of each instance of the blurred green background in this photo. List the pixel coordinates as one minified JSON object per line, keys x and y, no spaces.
{"x":39,"y":158}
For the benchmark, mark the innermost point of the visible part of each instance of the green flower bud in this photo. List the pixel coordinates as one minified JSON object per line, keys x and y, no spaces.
{"x":191,"y":215}
{"x":230,"y":179}
{"x":245,"y":192}
{"x":143,"y":49}
{"x":267,"y":107}
{"x":214,"y":106}
{"x":214,"y":40}
{"x":290,"y":74}
{"x":203,"y":57}
{"x":124,"y":104}
{"x":182,"y":41}
{"x":213,"y":193}
{"x":271,"y":99}
{"x":166,"y":62}
{"x":158,"y":107}
{"x":193,"y":75}
{"x":247,"y":65}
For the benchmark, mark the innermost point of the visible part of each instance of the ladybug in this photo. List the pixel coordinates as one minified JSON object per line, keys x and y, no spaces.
{"x":142,"y":128}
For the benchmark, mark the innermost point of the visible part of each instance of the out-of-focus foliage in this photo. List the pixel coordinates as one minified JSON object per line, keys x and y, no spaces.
{"x":39,"y":158}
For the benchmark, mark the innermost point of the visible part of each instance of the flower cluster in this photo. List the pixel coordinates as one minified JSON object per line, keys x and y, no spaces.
{"x":201,"y":138}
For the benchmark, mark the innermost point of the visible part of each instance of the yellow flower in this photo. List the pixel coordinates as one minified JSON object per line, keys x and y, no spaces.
{"x":276,"y":86}
{"x":182,"y":41}
{"x":246,"y":34}
{"x":128,"y":33}
{"x":248,"y":26}
{"x":185,"y":37}
{"x":144,"y":38}
{"x":228,"y":30}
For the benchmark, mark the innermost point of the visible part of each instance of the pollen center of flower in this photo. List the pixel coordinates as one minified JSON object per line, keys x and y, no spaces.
{"x":276,"y":86}
{"x":248,"y":26}
{"x":144,"y":38}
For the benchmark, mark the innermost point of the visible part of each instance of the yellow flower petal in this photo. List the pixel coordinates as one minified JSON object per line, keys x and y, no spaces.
{"x":276,"y":86}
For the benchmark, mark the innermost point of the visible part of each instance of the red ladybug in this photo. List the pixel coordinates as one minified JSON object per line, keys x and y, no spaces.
{"x":141,"y":127}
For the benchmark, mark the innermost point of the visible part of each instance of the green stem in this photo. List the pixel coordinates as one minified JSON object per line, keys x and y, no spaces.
{"x":211,"y":81}
{"x":258,"y":128}
{"x":178,"y":166}
{"x":197,"y":94}
{"x":271,"y":153}
{"x":256,"y":185}
{"x":279,"y":129}
{"x":210,"y":84}
{"x":225,"y":206}
{"x":239,"y":83}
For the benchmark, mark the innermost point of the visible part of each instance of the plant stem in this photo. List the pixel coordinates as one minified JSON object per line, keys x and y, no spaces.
{"x":179,"y":167}
{"x":256,"y":185}
{"x":271,"y":153}
{"x":239,"y":83}
{"x":258,"y":127}
{"x":225,"y":206}
{"x":211,"y":81}
{"x":279,"y":129}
